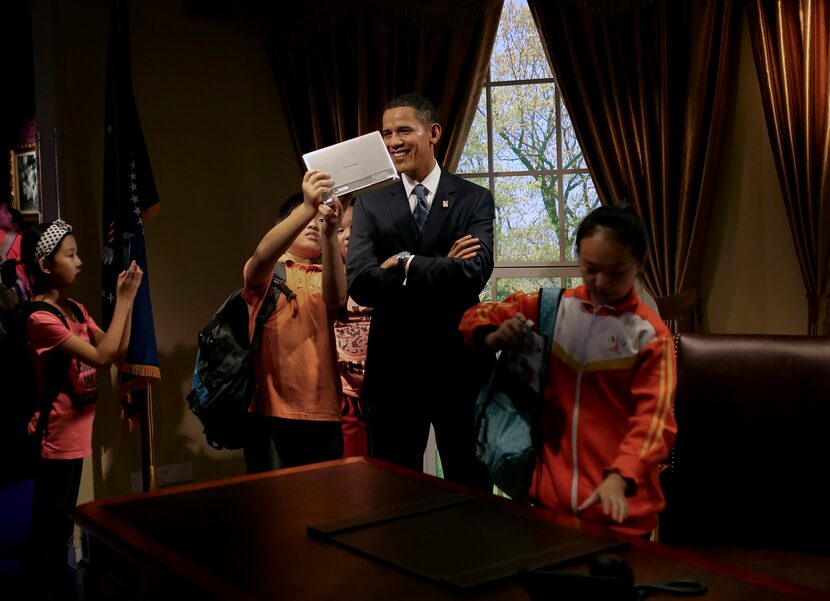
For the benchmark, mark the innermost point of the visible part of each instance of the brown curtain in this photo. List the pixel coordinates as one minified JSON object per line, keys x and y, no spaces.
{"x":645,"y":83}
{"x":791,"y":44}
{"x":337,"y":63}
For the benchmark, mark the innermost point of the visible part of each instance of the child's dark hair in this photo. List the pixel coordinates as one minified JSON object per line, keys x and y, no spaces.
{"x":31,"y":236}
{"x":626,"y":224}
{"x":424,"y":109}
{"x":290,"y":203}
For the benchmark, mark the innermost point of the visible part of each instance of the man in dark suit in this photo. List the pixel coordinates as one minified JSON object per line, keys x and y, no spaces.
{"x":420,"y":253}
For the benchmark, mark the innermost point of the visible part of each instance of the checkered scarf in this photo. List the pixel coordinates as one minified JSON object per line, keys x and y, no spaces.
{"x":51,"y":238}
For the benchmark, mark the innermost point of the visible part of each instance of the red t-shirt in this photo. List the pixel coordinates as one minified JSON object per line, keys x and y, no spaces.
{"x":351,"y":332}
{"x":69,"y":430}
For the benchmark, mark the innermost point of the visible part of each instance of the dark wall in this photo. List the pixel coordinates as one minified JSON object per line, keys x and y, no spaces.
{"x":19,"y":101}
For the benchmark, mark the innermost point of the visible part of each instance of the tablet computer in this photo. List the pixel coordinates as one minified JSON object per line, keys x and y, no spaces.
{"x":357,"y":165}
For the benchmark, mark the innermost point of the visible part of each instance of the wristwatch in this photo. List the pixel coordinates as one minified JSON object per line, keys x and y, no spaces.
{"x":403,"y":257}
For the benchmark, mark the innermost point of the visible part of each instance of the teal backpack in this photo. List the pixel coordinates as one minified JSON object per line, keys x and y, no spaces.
{"x":507,"y":414}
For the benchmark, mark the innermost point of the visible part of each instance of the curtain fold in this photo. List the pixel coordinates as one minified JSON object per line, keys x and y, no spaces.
{"x":337,"y":63}
{"x":645,"y":84}
{"x":791,"y":46}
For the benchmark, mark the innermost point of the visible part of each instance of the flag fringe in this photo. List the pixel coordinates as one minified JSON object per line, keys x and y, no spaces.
{"x":151,"y":211}
{"x":150,"y":372}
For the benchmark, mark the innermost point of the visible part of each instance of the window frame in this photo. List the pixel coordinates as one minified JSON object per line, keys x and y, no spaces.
{"x":532,"y":269}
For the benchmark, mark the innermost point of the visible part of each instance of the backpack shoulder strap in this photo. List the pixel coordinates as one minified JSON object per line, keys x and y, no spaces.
{"x":6,"y":245}
{"x":36,"y":306}
{"x":58,"y":363}
{"x":548,"y":309}
{"x":278,"y":285}
{"x":76,"y":311}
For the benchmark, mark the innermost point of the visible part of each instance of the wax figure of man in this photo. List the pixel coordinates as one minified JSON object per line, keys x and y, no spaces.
{"x":421,"y":251}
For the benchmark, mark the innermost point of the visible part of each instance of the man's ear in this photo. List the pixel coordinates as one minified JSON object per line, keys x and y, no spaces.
{"x":434,"y":134}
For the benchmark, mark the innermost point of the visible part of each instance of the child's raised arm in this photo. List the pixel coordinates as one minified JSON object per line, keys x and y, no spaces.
{"x":334,"y":270}
{"x":108,"y":344}
{"x":273,"y":245}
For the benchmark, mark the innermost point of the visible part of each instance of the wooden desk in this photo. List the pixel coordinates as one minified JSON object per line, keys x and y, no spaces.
{"x":246,"y":538}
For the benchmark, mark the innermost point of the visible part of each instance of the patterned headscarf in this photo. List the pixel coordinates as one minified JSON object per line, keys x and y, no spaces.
{"x":51,"y":238}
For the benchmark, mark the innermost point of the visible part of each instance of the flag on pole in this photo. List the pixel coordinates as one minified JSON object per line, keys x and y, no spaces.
{"x":129,"y":198}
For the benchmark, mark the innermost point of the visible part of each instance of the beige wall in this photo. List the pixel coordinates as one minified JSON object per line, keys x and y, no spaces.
{"x":223,"y":160}
{"x":750,"y":279}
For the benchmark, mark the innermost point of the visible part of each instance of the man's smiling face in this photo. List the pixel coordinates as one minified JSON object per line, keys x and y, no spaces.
{"x":410,"y":141}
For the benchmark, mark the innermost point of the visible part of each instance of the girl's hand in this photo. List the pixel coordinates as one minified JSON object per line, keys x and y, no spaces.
{"x":611,"y":493}
{"x":316,"y":187}
{"x":330,"y":217}
{"x":128,"y":282}
{"x":510,"y":334}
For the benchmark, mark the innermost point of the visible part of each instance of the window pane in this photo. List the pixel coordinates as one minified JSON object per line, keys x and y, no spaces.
{"x":518,"y":52}
{"x":524,"y":124}
{"x":486,"y":294}
{"x":526,"y":220}
{"x":573,"y":282}
{"x":507,"y":286}
{"x":481,"y":181}
{"x":572,"y":157}
{"x":580,"y":199}
{"x":474,"y":157}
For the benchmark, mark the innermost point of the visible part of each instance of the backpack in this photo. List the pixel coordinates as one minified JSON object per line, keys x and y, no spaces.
{"x":20,"y":391}
{"x":508,"y":413}
{"x":223,"y":377}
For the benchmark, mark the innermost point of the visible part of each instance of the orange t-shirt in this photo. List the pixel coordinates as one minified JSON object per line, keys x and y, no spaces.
{"x":296,"y":364}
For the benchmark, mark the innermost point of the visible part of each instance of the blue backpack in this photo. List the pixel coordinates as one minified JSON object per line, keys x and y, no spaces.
{"x":507,"y":414}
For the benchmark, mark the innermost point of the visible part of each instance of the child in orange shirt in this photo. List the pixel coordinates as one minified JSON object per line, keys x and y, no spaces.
{"x":297,"y":404}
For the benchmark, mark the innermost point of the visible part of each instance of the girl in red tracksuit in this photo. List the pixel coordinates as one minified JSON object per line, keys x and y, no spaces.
{"x":607,"y":420}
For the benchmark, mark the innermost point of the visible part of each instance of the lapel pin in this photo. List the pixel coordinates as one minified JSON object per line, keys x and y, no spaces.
{"x":445,"y":204}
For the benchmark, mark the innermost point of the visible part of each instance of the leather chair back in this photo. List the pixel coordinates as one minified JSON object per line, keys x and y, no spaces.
{"x":752,"y":455}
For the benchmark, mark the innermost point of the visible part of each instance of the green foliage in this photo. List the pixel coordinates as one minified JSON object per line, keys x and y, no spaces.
{"x":542,"y":186}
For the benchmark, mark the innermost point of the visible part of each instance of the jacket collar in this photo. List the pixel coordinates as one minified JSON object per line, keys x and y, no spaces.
{"x":628,"y":304}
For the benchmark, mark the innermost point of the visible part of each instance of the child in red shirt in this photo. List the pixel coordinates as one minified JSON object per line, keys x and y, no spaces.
{"x":50,"y":253}
{"x":351,"y":331}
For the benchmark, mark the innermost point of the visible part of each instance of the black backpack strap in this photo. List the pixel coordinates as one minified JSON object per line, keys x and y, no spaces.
{"x":278,"y":285}
{"x":549,"y":298}
{"x":36,"y":306}
{"x":56,"y":370}
{"x":76,"y":311}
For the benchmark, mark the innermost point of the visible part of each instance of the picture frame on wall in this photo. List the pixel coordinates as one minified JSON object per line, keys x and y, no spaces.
{"x":25,"y":191}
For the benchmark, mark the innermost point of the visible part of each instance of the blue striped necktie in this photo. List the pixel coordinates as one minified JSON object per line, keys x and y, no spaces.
{"x":421,"y":208}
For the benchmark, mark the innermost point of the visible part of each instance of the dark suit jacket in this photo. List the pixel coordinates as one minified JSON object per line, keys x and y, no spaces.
{"x":417,"y":324}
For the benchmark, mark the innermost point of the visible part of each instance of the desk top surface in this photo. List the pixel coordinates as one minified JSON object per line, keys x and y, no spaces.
{"x":247,"y":538}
